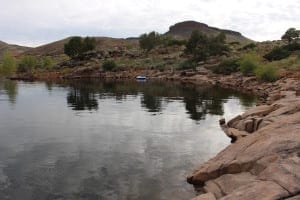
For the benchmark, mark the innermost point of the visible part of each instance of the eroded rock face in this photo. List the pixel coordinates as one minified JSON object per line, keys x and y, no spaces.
{"x":264,"y":160}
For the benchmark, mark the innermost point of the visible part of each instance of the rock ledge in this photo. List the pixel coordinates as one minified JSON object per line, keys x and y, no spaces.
{"x":263,"y":162}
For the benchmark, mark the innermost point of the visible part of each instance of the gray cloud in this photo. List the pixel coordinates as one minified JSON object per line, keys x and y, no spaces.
{"x":31,"y":22}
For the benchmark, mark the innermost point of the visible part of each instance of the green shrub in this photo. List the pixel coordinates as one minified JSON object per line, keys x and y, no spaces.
{"x":228,"y":66}
{"x":148,"y":61}
{"x":292,"y":46}
{"x":267,"y":73}
{"x":197,"y":40}
{"x":171,"y":41}
{"x":188,"y":64}
{"x":161,"y":67}
{"x":298,"y":58}
{"x":109,"y":65}
{"x":89,"y":44}
{"x":235,"y":43}
{"x":249,"y":46}
{"x":47,"y":62}
{"x":27,"y":64}
{"x":77,"y":46}
{"x":249,"y":63}
{"x":277,"y":53}
{"x":8,"y":64}
{"x":177,"y":42}
{"x":149,"y":41}
{"x":200,"y":47}
{"x":290,"y":35}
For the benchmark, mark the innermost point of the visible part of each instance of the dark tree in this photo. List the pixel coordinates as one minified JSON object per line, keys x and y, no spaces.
{"x":149,"y":41}
{"x":74,"y":47}
{"x":109,"y":65}
{"x":200,"y":47}
{"x":89,"y":44}
{"x":217,"y":45}
{"x":290,"y":35}
{"x":196,"y":41}
{"x":77,"y":46}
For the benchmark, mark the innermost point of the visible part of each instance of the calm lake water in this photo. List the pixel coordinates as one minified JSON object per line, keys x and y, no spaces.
{"x":108,"y":140}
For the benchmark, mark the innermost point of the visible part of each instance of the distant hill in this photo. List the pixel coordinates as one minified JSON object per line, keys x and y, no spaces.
{"x":57,"y":48}
{"x":2,"y":44}
{"x":184,"y":30}
{"x":14,"y":49}
{"x":179,"y":30}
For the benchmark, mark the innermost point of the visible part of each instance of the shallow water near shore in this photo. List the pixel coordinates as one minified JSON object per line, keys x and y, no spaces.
{"x":108,"y":140}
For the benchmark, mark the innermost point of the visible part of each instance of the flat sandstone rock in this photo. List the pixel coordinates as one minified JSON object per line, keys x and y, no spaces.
{"x":262,"y":165}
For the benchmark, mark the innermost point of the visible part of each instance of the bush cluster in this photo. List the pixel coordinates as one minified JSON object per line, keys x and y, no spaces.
{"x":249,"y":63}
{"x":171,"y":41}
{"x":149,"y":41}
{"x":200,"y":47}
{"x":291,"y":34}
{"x":227,"y":66}
{"x":27,"y":64}
{"x":24,"y":64}
{"x":188,"y":64}
{"x":267,"y":73}
{"x":109,"y":65}
{"x":250,"y":46}
{"x":282,"y":52}
{"x":32,"y":63}
{"x":8,"y":65}
{"x":277,"y":53}
{"x":77,"y":46}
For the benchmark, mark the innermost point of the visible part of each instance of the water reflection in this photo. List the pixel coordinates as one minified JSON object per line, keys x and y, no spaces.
{"x":123,"y":149}
{"x":10,"y":88}
{"x":151,"y":102}
{"x":199,"y":101}
{"x":82,"y":99}
{"x":49,"y":85}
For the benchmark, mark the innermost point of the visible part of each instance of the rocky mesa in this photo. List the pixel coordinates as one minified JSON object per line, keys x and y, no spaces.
{"x":184,"y":30}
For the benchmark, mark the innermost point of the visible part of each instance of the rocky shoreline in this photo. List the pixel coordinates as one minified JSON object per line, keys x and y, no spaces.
{"x":202,"y":76}
{"x":263,"y":162}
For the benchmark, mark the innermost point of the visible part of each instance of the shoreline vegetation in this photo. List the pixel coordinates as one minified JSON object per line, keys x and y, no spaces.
{"x":263,"y":161}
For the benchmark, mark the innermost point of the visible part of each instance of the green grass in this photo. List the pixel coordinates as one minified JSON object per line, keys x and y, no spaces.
{"x":290,"y":63}
{"x":249,"y":62}
{"x":268,"y":73}
{"x":8,"y":64}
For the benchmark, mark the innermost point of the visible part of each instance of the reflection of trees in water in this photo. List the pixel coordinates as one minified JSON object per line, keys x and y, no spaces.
{"x":199,"y":101}
{"x":49,"y":85}
{"x":202,"y":101}
{"x":151,"y":102}
{"x":11,"y":90}
{"x":81,"y":99}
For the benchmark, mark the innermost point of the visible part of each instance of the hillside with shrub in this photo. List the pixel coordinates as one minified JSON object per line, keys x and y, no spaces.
{"x":207,"y":49}
{"x":12,"y":48}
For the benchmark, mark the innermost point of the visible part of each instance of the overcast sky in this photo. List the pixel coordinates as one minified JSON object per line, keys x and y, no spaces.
{"x":36,"y":22}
